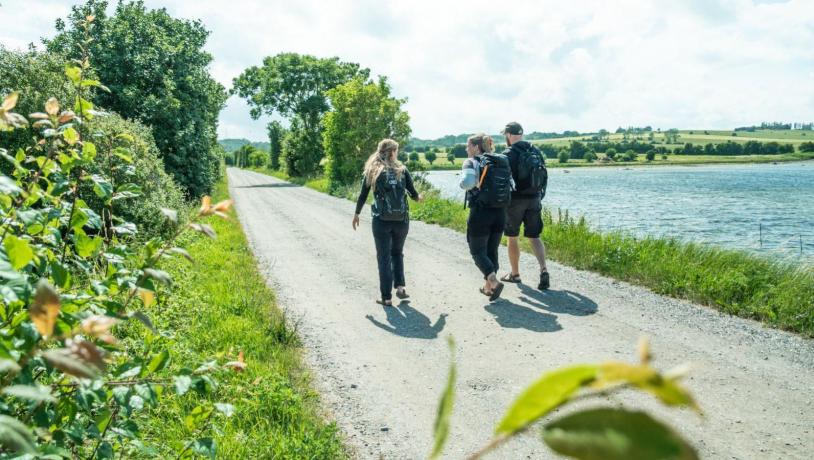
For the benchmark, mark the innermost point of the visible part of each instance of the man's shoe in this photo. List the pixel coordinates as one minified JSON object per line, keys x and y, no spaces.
{"x":544,"y":282}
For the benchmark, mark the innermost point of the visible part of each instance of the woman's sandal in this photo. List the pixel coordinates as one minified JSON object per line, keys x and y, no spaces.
{"x":496,"y":292}
{"x":510,"y":278}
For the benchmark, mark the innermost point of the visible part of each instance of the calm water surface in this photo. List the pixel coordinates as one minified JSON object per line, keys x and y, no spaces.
{"x":727,"y":205}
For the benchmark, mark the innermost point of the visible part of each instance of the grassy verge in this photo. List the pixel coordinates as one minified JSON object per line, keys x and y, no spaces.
{"x":736,"y":282}
{"x":220,"y":307}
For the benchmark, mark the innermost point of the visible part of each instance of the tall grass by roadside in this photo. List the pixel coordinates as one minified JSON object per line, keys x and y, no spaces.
{"x":778,"y":293}
{"x":222,"y":308}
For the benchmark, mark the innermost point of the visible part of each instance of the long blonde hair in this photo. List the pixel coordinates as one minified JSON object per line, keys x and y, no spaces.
{"x":482,"y":141}
{"x":381,"y":159}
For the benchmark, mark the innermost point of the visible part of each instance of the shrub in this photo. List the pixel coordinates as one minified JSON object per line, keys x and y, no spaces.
{"x":611,"y":153}
{"x":564,"y":156}
{"x":451,"y":157}
{"x":590,"y":156}
{"x":630,"y":155}
{"x":650,"y":155}
{"x":302,"y":150}
{"x":430,"y":156}
{"x":258,"y":158}
{"x":113,"y":135}
{"x":414,"y":157}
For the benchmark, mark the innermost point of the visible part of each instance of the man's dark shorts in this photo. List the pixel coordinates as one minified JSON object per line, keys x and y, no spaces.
{"x":526,"y":211}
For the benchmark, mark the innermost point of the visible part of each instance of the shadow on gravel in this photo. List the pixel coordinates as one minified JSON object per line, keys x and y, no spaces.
{"x":270,"y":185}
{"x":511,"y":315}
{"x":406,"y":321}
{"x":563,"y":302}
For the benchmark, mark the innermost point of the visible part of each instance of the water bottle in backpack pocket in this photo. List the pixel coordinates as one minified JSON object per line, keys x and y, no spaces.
{"x":391,"y":197}
{"x":495,"y":185}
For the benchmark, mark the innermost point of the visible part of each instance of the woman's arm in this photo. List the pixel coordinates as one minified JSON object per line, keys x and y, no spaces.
{"x":408,"y":179}
{"x":360,"y":202}
{"x":469,"y":174}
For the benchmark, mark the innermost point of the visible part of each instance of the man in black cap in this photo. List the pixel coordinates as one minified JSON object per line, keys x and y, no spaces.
{"x":530,"y":178}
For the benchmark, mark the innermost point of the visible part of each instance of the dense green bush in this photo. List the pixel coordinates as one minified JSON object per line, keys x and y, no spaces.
{"x":302,"y":151}
{"x":112,"y":136}
{"x":564,"y":156}
{"x":258,"y":158}
{"x":157,"y":70}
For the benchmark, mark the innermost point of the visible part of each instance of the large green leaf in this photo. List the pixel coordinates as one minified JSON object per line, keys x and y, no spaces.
{"x":19,"y":251}
{"x":15,"y":436}
{"x":615,"y":434}
{"x":87,"y":246}
{"x":546,"y":394}
{"x":441,"y":429}
{"x":668,"y":391}
{"x":158,"y":362}
{"x":102,"y":187}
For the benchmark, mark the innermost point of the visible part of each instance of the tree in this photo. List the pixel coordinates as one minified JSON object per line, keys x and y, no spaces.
{"x":302,"y":151}
{"x":295,"y":87}
{"x":650,"y":155}
{"x":603,"y":134}
{"x":364,"y":113}
{"x":590,"y":156}
{"x":157,"y":71}
{"x":430,"y":156}
{"x":577,"y":149}
{"x":451,"y":157}
{"x":414,"y":157}
{"x":458,"y":150}
{"x":402,"y":156}
{"x":630,"y":155}
{"x":611,"y":153}
{"x":276,"y":134}
{"x":564,"y":156}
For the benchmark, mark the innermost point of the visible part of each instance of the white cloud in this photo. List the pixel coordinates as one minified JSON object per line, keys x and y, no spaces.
{"x":552,"y":65}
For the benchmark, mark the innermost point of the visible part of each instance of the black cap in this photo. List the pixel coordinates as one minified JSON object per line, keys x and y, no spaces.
{"x":512,"y":128}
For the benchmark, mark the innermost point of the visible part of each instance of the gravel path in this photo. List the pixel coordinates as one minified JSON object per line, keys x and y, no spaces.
{"x":380,"y":372}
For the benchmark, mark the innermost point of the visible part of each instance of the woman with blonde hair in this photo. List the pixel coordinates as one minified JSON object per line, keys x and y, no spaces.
{"x":390,"y":182}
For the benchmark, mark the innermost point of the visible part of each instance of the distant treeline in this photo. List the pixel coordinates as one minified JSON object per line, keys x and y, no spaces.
{"x":778,"y":126}
{"x":578,"y":150}
{"x":230,"y":145}
{"x":419,"y":145}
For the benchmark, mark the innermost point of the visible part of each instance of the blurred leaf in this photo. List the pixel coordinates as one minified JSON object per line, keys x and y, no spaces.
{"x":237,"y":366}
{"x":88,"y":151}
{"x":102,"y":187}
{"x":65,"y":361}
{"x":87,"y":246}
{"x":66,"y":116}
{"x":61,"y":275}
{"x":205,"y":229}
{"x":159,"y":275}
{"x":205,"y":447}
{"x":546,"y":394}
{"x":225,"y":409}
{"x":52,"y":107}
{"x":136,"y":402}
{"x":158,"y":362}
{"x":147,"y":297}
{"x":15,"y":436}
{"x":8,"y":186}
{"x":99,"y":326}
{"x":615,"y":434}
{"x":144,"y":320}
{"x":73,"y":73}
{"x":170,"y":214}
{"x":30,"y":393}
{"x":182,"y":252}
{"x":45,"y":308}
{"x":10,"y":101}
{"x":8,"y":366}
{"x":83,"y":107}
{"x":71,"y":136}
{"x":182,"y":384}
{"x":206,"y":206}
{"x":669,"y":391}
{"x":19,"y":251}
{"x":441,"y":428}
{"x":198,"y":415}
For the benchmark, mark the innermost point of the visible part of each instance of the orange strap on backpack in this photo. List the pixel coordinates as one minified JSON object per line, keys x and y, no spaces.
{"x":482,"y":175}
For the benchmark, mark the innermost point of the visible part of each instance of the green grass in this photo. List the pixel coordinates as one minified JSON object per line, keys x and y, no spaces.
{"x":219,"y":307}
{"x":777,"y":293}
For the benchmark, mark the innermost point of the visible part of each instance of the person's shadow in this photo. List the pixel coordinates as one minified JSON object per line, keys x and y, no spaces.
{"x":512,"y":315}
{"x":406,"y":321}
{"x":562,"y":302}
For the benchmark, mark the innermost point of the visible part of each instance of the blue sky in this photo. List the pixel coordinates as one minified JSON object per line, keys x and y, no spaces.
{"x":470,"y":66}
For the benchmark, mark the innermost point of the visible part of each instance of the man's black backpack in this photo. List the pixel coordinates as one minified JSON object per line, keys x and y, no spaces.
{"x":391,"y":199}
{"x":532,"y":175}
{"x":495,"y":186}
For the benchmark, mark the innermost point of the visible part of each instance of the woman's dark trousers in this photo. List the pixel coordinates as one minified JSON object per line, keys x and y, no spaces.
{"x":484,"y":230}
{"x":389,"y":237}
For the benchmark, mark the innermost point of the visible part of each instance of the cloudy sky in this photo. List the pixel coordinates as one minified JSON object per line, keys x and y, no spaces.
{"x":552,"y":65}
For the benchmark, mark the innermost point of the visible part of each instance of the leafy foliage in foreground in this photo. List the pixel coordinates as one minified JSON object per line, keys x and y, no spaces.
{"x":70,"y":275}
{"x":595,"y":433}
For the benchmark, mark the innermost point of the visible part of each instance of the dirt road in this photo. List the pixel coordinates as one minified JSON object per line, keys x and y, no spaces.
{"x":381,"y":371}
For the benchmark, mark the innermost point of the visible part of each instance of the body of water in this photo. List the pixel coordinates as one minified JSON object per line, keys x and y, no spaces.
{"x":726,"y":205}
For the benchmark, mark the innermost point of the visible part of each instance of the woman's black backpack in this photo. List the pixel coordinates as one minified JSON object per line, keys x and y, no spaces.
{"x":390,"y":196}
{"x":495,"y":186}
